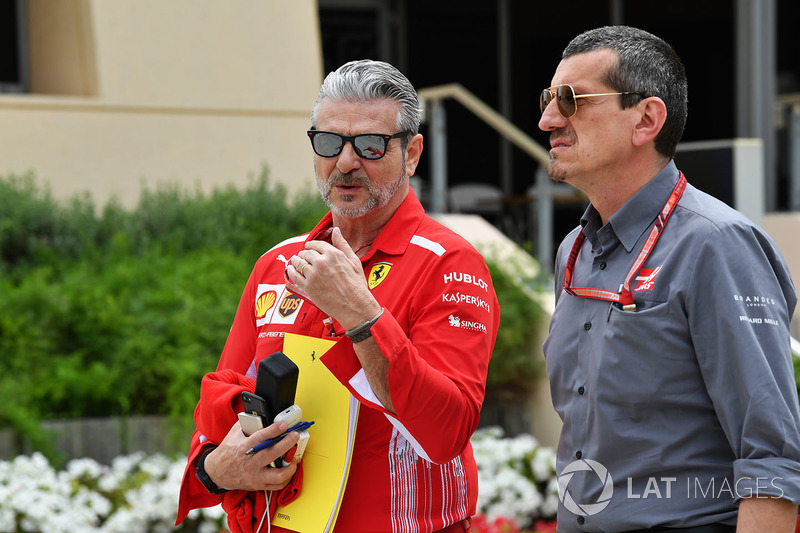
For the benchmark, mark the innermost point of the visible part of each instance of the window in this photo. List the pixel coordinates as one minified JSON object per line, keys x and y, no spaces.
{"x":13,"y":47}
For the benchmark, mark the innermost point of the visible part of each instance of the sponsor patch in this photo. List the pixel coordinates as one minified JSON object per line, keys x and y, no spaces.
{"x":264,"y":303}
{"x":458,"y":298}
{"x":462,"y":277}
{"x":456,"y":322}
{"x":289,"y":305}
{"x":378,"y":273}
{"x":275,"y":305}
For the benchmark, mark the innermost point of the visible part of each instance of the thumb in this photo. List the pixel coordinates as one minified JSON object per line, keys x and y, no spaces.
{"x":340,"y":243}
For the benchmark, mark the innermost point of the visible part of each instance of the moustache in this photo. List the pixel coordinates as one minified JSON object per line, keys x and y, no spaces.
{"x":347,"y":180}
{"x":563,"y":133}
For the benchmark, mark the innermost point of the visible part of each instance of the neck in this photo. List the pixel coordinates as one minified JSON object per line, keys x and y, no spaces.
{"x":610,"y":194}
{"x":363,"y":230}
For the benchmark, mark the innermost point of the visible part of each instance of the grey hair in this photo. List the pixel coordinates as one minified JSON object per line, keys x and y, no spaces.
{"x":365,"y":81}
{"x":647,"y":65}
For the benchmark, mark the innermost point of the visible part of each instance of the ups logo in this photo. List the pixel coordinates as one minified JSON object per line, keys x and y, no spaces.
{"x":289,"y":305}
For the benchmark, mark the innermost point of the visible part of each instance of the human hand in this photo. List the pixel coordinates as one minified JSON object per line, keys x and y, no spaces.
{"x":333,"y":277}
{"x":230,"y":468}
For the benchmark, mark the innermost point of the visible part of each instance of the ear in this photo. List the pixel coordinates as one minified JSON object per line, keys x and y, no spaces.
{"x":650,"y":120}
{"x":413,"y":153}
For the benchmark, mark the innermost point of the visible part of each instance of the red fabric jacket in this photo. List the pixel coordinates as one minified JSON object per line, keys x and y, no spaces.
{"x":413,"y":471}
{"x":216,"y":412}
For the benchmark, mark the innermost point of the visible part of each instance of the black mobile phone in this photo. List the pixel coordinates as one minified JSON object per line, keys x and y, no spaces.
{"x":256,"y":405}
{"x":276,"y":383}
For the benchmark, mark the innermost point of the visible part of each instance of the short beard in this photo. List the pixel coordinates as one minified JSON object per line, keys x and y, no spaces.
{"x":555,"y":175}
{"x":552,"y":167}
{"x":379,"y":196}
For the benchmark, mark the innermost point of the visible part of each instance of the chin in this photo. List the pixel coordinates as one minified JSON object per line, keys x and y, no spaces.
{"x":557,"y":174}
{"x":350,"y":209}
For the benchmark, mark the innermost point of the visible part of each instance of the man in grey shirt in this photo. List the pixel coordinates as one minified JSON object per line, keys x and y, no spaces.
{"x":669,"y":353}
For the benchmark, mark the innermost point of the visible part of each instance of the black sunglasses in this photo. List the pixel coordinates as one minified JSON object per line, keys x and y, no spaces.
{"x":366,"y":145}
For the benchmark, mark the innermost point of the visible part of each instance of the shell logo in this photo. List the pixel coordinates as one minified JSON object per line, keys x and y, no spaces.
{"x":265,"y":303}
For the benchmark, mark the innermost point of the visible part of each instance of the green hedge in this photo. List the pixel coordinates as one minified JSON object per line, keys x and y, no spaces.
{"x":796,"y":361}
{"x":517,"y":358}
{"x":121,"y":311}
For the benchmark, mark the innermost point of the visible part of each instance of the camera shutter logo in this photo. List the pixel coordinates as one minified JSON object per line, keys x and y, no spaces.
{"x":585,"y":509}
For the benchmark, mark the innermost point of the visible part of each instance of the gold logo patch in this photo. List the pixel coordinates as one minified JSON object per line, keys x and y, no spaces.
{"x":289,"y":305}
{"x":378,"y":273}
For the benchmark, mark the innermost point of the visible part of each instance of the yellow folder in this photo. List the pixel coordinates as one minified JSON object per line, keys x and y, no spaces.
{"x":326,"y":462}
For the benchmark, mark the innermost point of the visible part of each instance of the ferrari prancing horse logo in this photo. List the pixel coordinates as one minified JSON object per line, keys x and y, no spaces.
{"x":378,"y":273}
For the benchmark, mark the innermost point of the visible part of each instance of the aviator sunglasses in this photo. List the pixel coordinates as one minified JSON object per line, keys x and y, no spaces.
{"x":566,"y":99}
{"x":366,"y":145}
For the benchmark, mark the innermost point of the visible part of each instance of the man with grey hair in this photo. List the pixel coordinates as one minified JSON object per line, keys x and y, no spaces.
{"x":410,"y":305}
{"x":669,"y":352}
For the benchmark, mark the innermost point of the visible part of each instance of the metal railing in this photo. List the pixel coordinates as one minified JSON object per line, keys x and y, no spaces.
{"x":436,"y":117}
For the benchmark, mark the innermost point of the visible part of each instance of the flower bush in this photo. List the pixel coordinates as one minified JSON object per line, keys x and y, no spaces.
{"x":139,"y":493}
{"x":517,"y":483}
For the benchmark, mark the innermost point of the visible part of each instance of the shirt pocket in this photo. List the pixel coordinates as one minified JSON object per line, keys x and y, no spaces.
{"x":649,"y":355}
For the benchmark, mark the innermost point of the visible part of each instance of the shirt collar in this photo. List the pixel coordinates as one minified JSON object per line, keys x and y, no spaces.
{"x":637,"y":214}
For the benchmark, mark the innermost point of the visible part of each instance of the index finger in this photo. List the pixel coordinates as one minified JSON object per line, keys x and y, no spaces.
{"x":269,"y":432}
{"x":267,"y":456}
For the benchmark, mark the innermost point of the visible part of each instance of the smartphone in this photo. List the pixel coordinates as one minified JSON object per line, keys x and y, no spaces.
{"x":254,"y":416}
{"x":256,"y":405}
{"x":250,"y":423}
{"x":292,"y":415}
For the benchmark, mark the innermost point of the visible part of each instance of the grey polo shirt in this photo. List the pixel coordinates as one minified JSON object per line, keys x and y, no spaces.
{"x":674,"y":412}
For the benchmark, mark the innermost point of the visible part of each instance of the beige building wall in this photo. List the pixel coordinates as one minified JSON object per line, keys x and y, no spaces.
{"x":784,"y":228}
{"x":196,"y":92}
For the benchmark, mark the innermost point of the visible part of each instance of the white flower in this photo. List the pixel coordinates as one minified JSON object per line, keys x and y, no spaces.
{"x":36,"y":498}
{"x":139,"y":493}
{"x":543,"y":464}
{"x":515,"y":476}
{"x":84,"y":468}
{"x":550,"y":505}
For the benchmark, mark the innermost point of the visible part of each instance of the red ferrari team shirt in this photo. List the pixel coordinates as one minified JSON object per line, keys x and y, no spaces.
{"x":413,"y":470}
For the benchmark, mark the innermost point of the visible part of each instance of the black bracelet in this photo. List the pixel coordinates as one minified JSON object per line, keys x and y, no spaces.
{"x":200,"y":472}
{"x":364,"y":331}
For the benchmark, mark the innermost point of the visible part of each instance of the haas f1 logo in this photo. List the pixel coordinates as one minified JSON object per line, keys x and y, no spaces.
{"x":645,"y":279}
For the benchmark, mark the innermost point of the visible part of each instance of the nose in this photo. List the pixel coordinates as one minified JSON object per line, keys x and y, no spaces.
{"x":552,"y":118}
{"x":348,"y":160}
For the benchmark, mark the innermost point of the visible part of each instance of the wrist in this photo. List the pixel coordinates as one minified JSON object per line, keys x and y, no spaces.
{"x":364,"y":330}
{"x":203,"y":475}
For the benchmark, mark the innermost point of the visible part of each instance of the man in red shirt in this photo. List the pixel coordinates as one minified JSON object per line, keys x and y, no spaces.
{"x":411,"y":304}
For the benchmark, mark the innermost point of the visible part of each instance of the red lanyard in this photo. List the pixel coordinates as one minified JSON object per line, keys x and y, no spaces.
{"x":624,"y":297}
